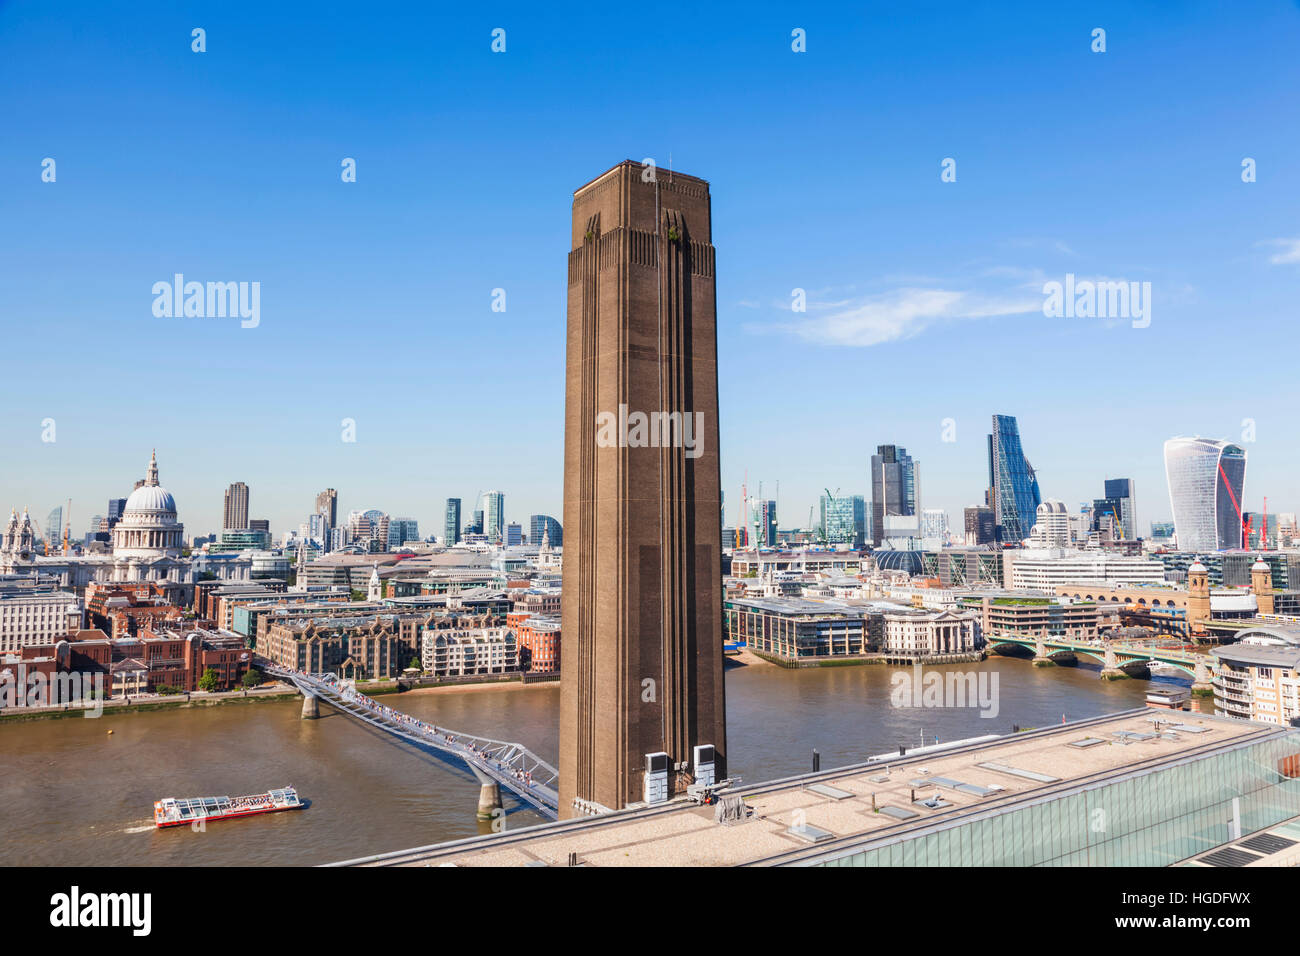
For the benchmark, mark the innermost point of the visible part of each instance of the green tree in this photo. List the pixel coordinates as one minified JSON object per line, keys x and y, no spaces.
{"x":253,"y":677}
{"x":209,"y":680}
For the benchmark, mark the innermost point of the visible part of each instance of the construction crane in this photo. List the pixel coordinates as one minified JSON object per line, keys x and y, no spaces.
{"x":1245,"y":525}
{"x":67,"y":523}
{"x":740,"y":516}
{"x":826,"y":538}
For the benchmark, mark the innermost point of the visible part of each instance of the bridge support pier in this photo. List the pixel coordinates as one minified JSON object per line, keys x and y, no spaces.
{"x":1203,"y":685}
{"x":1110,"y":669}
{"x":489,"y":800}
{"x":1040,"y":655}
{"x":310,"y":707}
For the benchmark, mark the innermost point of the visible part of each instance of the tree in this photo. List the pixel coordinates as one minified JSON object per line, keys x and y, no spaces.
{"x":209,"y":680}
{"x":253,"y":677}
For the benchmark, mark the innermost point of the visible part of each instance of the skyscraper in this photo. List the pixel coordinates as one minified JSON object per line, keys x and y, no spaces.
{"x":642,"y":652}
{"x":893,"y":487}
{"x":235,"y":513}
{"x":54,"y":530}
{"x":1013,"y":486}
{"x":402,"y":530}
{"x":496,"y":516}
{"x":1119,"y":492}
{"x":451,"y":523}
{"x":327,"y":504}
{"x":979,"y":525}
{"x":1206,"y":480}
{"x":544,"y":526}
{"x":764,"y":519}
{"x":844,"y":520}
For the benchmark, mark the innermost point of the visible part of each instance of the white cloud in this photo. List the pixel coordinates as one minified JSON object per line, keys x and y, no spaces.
{"x":903,"y":314}
{"x":1290,"y":251}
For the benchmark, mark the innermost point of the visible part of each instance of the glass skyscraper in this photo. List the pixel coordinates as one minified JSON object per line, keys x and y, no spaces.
{"x":1012,"y":482}
{"x":402,"y":530}
{"x":54,"y":530}
{"x":893,"y":488}
{"x":496,"y":516}
{"x":1206,"y":480}
{"x":544,"y":526}
{"x":451,"y":523}
{"x":844,"y":519}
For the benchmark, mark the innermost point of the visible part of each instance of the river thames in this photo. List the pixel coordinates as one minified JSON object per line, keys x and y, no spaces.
{"x":74,"y":794}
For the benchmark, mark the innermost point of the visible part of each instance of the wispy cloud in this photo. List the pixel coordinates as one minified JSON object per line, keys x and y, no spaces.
{"x":902,"y":314}
{"x":1288,"y":251}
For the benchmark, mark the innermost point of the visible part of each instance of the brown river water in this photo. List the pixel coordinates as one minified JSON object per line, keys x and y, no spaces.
{"x":73,"y":794}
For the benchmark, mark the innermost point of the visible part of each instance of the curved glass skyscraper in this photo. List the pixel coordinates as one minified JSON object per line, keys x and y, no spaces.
{"x":1206,"y":479}
{"x":1013,"y":484}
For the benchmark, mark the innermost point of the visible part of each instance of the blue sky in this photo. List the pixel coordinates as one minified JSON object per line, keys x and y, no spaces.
{"x":924,"y":297}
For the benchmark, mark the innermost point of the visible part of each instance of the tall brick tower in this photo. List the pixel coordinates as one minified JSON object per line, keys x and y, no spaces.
{"x":641,"y":653}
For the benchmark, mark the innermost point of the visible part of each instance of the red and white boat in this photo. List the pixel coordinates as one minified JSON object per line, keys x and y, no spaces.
{"x":181,"y":811}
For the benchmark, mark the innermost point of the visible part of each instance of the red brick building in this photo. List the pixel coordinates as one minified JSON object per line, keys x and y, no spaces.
{"x":539,"y":642}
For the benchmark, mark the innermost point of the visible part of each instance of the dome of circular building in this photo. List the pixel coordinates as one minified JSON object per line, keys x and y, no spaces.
{"x":153,"y":498}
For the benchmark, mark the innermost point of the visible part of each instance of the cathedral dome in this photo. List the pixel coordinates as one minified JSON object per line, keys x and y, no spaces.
{"x":148,"y":527}
{"x":151,"y":498}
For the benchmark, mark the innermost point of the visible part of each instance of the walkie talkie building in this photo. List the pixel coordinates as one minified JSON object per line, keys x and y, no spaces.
{"x":1206,"y":479}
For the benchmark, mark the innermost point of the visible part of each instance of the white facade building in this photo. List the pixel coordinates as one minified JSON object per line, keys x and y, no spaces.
{"x":37,"y":617}
{"x":1042,"y":569}
{"x":923,"y":634}
{"x":1051,"y":525}
{"x":466,"y":651}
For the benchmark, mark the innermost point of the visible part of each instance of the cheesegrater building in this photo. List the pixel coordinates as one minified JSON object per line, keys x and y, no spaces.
{"x":642,"y":619}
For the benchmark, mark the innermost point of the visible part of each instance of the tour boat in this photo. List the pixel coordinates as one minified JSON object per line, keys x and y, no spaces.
{"x":178,"y":811}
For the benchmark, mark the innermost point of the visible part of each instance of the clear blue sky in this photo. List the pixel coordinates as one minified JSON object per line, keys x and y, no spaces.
{"x":924,"y":297}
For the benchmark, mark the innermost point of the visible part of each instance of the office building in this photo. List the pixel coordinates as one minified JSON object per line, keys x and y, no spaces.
{"x":451,"y":523}
{"x":1043,"y":568}
{"x":1119,"y":498}
{"x":1206,"y":482}
{"x":642,"y":569}
{"x":327,"y":504}
{"x":1013,"y":485}
{"x":844,"y":520}
{"x":496,"y":516}
{"x":763,"y":519}
{"x":54,"y":530}
{"x":980,"y":525}
{"x":235,"y":511}
{"x":545,"y":529}
{"x":1051,"y":525}
{"x":402,"y":530}
{"x":37,"y":616}
{"x":893,"y":488}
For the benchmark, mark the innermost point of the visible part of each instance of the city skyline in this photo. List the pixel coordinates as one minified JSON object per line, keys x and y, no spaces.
{"x":930,"y":317}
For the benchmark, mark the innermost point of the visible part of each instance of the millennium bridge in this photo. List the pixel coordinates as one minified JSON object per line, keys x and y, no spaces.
{"x":494,"y":763}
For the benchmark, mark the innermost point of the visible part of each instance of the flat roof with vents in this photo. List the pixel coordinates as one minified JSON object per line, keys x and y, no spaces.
{"x":976,"y":780}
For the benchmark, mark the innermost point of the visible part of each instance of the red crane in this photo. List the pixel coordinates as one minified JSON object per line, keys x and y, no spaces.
{"x":1245,"y":525}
